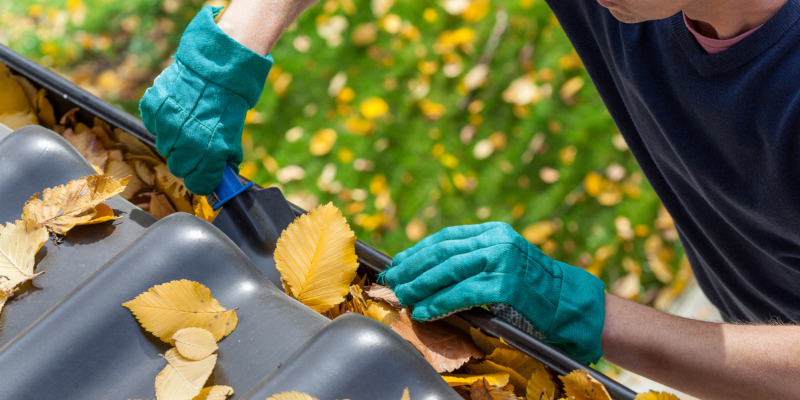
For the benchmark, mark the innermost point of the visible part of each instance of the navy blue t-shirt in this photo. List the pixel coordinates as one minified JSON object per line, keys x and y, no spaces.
{"x":718,"y":137}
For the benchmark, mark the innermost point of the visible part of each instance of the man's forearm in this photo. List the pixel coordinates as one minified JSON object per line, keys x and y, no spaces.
{"x":707,"y":360}
{"x":258,"y":24}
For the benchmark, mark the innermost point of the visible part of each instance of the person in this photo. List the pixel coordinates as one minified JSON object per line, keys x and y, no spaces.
{"x":707,"y":96}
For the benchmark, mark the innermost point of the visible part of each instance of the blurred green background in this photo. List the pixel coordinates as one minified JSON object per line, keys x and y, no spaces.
{"x":410,"y":116}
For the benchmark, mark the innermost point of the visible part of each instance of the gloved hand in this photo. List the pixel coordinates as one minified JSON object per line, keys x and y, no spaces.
{"x":490,"y":264}
{"x":197,"y":106}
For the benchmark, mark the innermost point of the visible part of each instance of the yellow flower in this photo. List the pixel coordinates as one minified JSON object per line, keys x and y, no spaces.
{"x":374,"y":107}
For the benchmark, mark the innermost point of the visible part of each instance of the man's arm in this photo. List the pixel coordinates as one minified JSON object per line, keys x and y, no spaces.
{"x":258,"y":24}
{"x":704,"y":359}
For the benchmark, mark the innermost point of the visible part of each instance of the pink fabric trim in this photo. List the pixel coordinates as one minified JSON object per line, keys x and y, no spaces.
{"x":714,"y":46}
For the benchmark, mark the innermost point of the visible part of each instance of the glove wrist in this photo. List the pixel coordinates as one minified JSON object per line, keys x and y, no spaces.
{"x":212,"y":54}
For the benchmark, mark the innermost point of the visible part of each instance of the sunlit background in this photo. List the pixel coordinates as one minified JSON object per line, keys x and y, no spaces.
{"x":409,"y":116}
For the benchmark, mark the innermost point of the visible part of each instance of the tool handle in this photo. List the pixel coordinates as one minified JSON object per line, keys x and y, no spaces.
{"x":227,"y":189}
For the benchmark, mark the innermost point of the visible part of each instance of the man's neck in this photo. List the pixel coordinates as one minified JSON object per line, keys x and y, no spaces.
{"x":718,"y":19}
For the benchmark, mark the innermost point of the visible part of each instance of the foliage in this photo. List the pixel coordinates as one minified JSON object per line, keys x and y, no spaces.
{"x":410,"y":118}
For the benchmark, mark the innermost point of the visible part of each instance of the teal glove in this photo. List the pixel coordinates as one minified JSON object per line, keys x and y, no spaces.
{"x":490,"y":264}
{"x":197,"y":106}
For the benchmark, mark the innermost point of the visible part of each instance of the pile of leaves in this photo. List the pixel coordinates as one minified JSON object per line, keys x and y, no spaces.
{"x":111,"y":152}
{"x":58,"y":210}
{"x":316,"y":257}
{"x":184,"y":314}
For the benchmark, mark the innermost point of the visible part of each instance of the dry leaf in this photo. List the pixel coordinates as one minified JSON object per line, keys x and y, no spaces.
{"x":489,"y":367}
{"x":216,"y":392}
{"x":19,"y":242}
{"x":582,"y":386}
{"x":381,"y":311}
{"x":540,"y":385}
{"x":515,"y":360}
{"x":405,"y":395}
{"x":29,"y":89}
{"x":160,"y":207}
{"x":174,"y":188}
{"x":90,"y":148}
{"x":121,"y":169}
{"x":486,"y":343}
{"x":482,"y":390}
{"x":102,"y":213}
{"x":145,"y":173}
{"x":316,"y":258}
{"x":165,"y":309}
{"x":291,"y":396}
{"x":376,"y":291}
{"x":203,"y":210}
{"x":651,"y":395}
{"x":497,"y":379}
{"x":194,"y":343}
{"x":443,"y":346}
{"x":47,"y":116}
{"x":15,"y":109}
{"x":133,"y":144}
{"x":63,"y":207}
{"x":182,"y":378}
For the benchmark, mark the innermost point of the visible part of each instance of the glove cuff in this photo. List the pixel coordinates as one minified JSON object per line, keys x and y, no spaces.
{"x":218,"y":58}
{"x":578,"y":322}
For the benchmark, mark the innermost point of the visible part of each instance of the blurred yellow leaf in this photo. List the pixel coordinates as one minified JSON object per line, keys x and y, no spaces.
{"x":593,"y":183}
{"x":416,"y":230}
{"x":15,"y":109}
{"x":316,"y":257}
{"x":45,"y":111}
{"x":381,"y":7}
{"x":63,"y":207}
{"x":539,"y":232}
{"x":522,"y":91}
{"x":486,"y":343}
{"x":322,"y":142}
{"x":291,"y":396}
{"x":167,"y":308}
{"x":570,"y":88}
{"x":405,"y":395}
{"x":182,"y":378}
{"x":476,"y":11}
{"x":651,"y":395}
{"x":365,"y":34}
{"x":216,"y":392}
{"x":582,"y":386}
{"x":194,"y":343}
{"x":374,"y":107}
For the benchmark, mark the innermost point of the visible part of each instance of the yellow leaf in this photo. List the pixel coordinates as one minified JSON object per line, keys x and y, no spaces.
{"x":121,"y":169}
{"x":540,"y":385}
{"x":482,"y":390}
{"x":322,"y":142}
{"x":582,"y":386}
{"x":291,"y":396}
{"x":381,"y":311}
{"x":102,"y":213}
{"x":174,"y":188}
{"x":182,"y":378}
{"x":570,"y":88}
{"x":27,"y":87}
{"x":203,"y":210}
{"x":19,"y":242}
{"x":405,"y":396}
{"x":487,"y":344}
{"x":47,"y":116}
{"x":651,"y":395}
{"x":15,"y":109}
{"x":133,"y":144}
{"x":3,"y":298}
{"x":489,"y":367}
{"x":63,"y":207}
{"x":515,"y":360}
{"x":216,"y":392}
{"x":539,"y":232}
{"x":165,"y":309}
{"x":90,"y":147}
{"x":145,"y":173}
{"x":194,"y":343}
{"x":443,"y":346}
{"x":316,"y":258}
{"x":497,"y":379}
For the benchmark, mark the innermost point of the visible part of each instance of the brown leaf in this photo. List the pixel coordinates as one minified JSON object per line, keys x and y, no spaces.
{"x":174,"y":188}
{"x":489,"y":367}
{"x":120,"y":169}
{"x":47,"y":116}
{"x":69,"y":116}
{"x":159,"y":206}
{"x":379,"y":292}
{"x":443,"y":346}
{"x":63,"y":207}
{"x":482,"y":390}
{"x":90,"y":148}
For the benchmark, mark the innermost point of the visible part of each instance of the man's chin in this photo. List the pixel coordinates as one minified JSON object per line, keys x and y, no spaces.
{"x":625,"y":17}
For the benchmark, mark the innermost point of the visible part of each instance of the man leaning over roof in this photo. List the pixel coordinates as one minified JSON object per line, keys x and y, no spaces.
{"x":707,"y":96}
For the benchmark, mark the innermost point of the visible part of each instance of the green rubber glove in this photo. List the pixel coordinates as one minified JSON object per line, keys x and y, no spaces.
{"x":197,"y":106}
{"x":490,"y":264}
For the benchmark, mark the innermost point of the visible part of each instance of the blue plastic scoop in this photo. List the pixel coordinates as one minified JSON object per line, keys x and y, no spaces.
{"x":228,"y":189}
